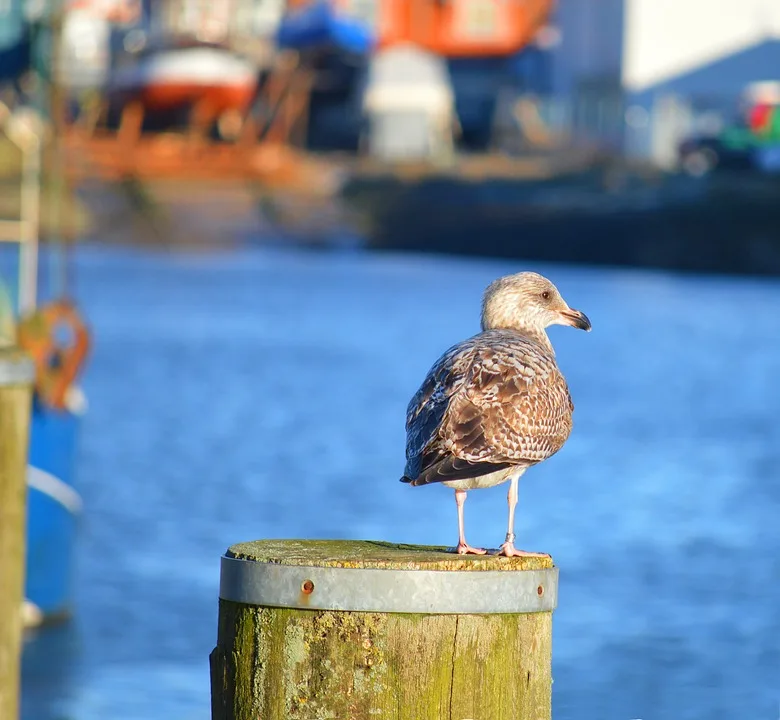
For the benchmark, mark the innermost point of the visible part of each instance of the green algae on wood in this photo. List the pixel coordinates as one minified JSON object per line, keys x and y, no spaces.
{"x":296,"y":664}
{"x":15,"y":403}
{"x":376,"y":555}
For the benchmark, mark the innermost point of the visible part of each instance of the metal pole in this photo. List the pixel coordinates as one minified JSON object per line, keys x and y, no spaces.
{"x":29,"y":227}
{"x":56,"y":104}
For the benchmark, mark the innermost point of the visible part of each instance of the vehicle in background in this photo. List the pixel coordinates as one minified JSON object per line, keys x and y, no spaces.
{"x":752,"y":142}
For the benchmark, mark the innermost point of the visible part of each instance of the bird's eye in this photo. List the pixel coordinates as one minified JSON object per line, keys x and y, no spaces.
{"x":546,"y":295}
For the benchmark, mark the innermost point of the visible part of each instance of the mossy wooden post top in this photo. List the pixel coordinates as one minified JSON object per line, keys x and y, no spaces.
{"x":16,"y":367}
{"x":367,"y":576}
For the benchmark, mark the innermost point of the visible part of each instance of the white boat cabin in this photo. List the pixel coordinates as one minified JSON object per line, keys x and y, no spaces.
{"x":408,"y":106}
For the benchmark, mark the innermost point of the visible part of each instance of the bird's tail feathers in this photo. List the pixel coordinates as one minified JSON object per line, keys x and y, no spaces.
{"x":452,"y":468}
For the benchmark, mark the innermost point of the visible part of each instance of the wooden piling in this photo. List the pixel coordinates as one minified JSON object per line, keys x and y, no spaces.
{"x":16,"y":375}
{"x":352,"y":630}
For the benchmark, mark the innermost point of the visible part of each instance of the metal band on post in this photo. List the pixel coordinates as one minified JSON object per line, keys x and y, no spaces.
{"x":16,"y":370}
{"x":413,"y":631}
{"x":387,"y":591}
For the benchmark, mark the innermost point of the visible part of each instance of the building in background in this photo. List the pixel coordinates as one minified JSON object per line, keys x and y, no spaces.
{"x":639,"y":73}
{"x":587,"y":68}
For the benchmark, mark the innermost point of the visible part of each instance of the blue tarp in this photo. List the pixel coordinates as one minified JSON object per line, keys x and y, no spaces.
{"x":321,"y":25}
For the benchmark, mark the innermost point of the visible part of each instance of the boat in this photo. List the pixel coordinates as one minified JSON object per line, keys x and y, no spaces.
{"x":409,"y":105}
{"x":480,"y":40}
{"x":182,"y":74}
{"x":332,"y":41}
{"x":54,"y":507}
{"x":53,"y":332}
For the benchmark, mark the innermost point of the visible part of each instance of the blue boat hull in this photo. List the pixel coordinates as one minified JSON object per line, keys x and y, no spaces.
{"x":54,"y":507}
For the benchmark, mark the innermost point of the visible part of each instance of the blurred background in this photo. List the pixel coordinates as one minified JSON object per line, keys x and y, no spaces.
{"x":249,"y":227}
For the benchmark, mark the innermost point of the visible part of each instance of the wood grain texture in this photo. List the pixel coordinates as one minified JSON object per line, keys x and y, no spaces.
{"x":14,"y":433}
{"x":291,"y":664}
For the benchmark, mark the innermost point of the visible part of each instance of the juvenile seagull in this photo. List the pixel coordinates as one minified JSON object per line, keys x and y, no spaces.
{"x":496,"y":404}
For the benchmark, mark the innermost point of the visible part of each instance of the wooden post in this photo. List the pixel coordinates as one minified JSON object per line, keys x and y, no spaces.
{"x":363,"y":630}
{"x":16,"y":375}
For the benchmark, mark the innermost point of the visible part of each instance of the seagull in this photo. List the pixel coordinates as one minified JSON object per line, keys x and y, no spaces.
{"x":496,"y":404}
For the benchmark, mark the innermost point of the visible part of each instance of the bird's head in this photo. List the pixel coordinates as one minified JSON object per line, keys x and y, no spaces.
{"x":527,"y":302}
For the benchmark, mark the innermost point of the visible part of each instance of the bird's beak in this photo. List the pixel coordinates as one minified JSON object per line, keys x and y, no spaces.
{"x":577,"y":319}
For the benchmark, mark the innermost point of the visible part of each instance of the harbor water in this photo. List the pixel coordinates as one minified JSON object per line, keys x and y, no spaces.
{"x":261,"y":393}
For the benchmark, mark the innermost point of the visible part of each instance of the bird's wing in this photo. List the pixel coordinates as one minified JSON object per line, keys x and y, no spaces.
{"x":428,"y":406}
{"x":515,"y":406}
{"x":507,"y":404}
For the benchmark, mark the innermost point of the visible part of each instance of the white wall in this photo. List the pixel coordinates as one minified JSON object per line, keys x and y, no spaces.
{"x":664,"y":38}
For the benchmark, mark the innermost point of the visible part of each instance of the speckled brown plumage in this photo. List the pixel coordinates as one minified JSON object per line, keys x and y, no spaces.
{"x":495,"y":401}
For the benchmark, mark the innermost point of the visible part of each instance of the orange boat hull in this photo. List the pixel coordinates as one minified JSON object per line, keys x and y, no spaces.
{"x":167,"y":97}
{"x":210,"y":78}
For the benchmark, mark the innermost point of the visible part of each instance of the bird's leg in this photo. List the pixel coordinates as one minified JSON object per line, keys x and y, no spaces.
{"x":508,"y":548}
{"x":463,"y":547}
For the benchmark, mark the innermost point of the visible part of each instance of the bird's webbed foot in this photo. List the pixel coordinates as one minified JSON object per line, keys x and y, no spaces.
{"x":509,"y":550}
{"x":466,"y":549}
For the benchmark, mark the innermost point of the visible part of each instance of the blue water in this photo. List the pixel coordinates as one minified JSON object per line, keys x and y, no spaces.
{"x":262,"y":394}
